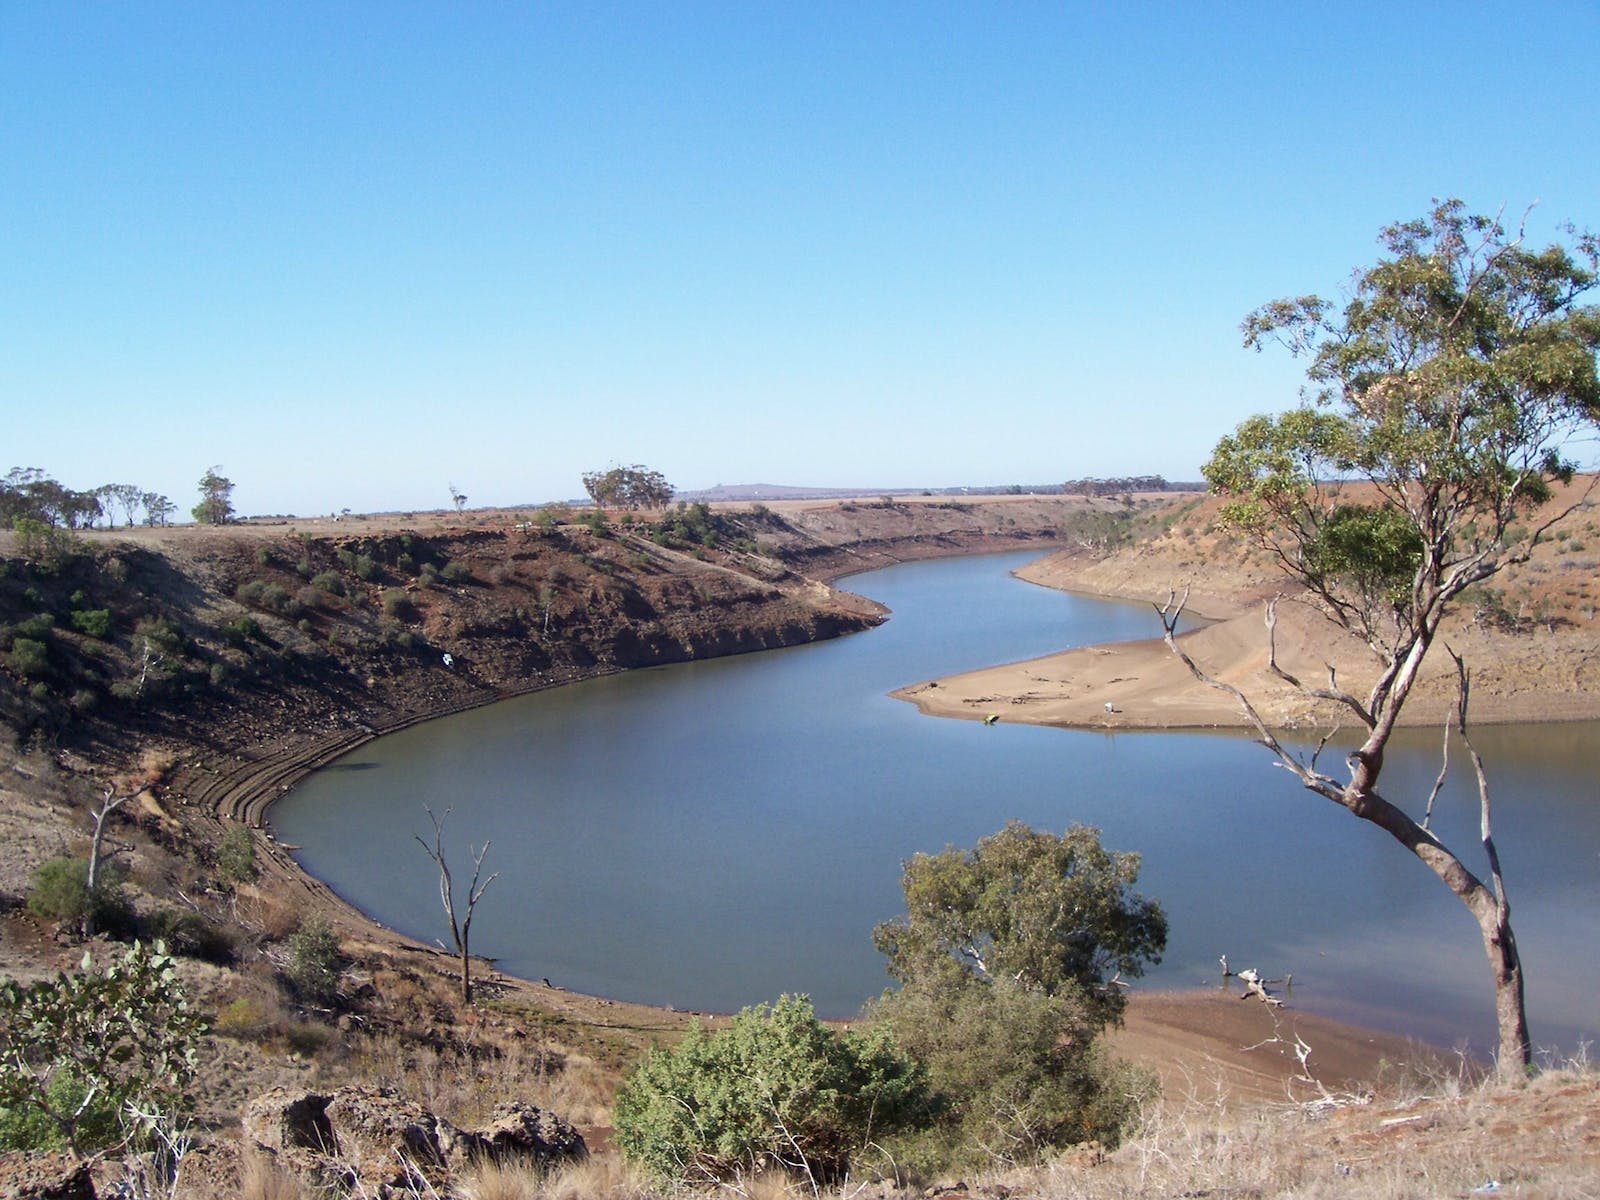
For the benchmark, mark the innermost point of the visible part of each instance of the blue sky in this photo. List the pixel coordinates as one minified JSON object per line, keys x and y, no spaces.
{"x":354,"y":253}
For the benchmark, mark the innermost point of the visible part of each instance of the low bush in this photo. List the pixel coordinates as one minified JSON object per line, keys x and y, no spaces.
{"x":313,"y":968}
{"x":236,"y":855}
{"x":96,"y":622}
{"x":59,"y":891}
{"x":28,"y":657}
{"x":397,"y":604}
{"x":455,"y":571}
{"x":328,"y":581}
{"x":776,"y":1089}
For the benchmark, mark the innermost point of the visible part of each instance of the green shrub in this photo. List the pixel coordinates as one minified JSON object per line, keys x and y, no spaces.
{"x":59,"y":891}
{"x":242,"y":630}
{"x":1017,"y":1072}
{"x":313,"y":967}
{"x":776,"y":1088}
{"x":397,"y":604}
{"x":96,"y":622}
{"x":162,"y":632}
{"x":329,"y":582}
{"x":31,"y":1127}
{"x":365,"y":568}
{"x":28,"y":657}
{"x":455,"y":571}
{"x":124,"y":1038}
{"x":236,"y":855}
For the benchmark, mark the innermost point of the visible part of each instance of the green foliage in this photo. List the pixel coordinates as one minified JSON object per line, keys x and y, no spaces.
{"x":1056,"y":914}
{"x":776,"y":1089}
{"x":59,"y":891}
{"x":455,"y":571}
{"x":1375,"y":550}
{"x":365,"y":568}
{"x":328,"y":581}
{"x":1453,"y":378}
{"x":236,"y":855}
{"x":216,"y":499}
{"x":595,"y":522}
{"x":97,"y":1056}
{"x":1007,"y":959}
{"x":313,"y":967}
{"x":96,"y":622}
{"x":244,"y":629}
{"x":162,"y":632}
{"x":28,"y":657}
{"x":397,"y":604}
{"x":627,"y":487}
{"x":1015,"y":1070}
{"x":270,"y":597}
{"x":48,"y":547}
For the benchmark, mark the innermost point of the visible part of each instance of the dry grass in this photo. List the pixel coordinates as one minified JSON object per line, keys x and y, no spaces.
{"x":260,"y":1178}
{"x":595,"y":1179}
{"x":1540,"y":1140}
{"x":464,"y":1086}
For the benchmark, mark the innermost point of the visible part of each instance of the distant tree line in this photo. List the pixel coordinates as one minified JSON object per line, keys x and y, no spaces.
{"x":28,"y":494}
{"x":1122,"y":484}
{"x":31,"y":499}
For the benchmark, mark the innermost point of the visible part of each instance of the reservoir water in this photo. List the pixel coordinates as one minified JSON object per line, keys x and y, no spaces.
{"x":713,"y":834}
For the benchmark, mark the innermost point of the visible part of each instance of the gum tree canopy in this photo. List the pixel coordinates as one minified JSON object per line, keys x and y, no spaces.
{"x":1446,"y":393}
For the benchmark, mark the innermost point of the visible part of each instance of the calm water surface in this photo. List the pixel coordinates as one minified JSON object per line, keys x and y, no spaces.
{"x":713,"y":834}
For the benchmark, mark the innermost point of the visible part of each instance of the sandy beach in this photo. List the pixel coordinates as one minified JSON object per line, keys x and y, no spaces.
{"x":1545,"y":675}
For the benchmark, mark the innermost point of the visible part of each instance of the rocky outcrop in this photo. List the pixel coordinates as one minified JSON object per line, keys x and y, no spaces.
{"x":374,"y":1140}
{"x":45,"y":1177}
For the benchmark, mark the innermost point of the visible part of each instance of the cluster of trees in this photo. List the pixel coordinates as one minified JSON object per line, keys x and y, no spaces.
{"x":1010,"y":961}
{"x":1117,"y":487}
{"x":28,"y":494}
{"x":628,"y":487}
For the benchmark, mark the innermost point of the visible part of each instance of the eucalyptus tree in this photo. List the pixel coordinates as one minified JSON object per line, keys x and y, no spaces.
{"x":1451,"y":386}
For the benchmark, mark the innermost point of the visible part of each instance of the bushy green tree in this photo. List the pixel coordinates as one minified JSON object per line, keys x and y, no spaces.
{"x":1055,"y":914}
{"x":1451,"y":384}
{"x":775,"y":1090}
{"x":216,"y":499}
{"x":628,"y":487}
{"x":1017,"y":1071}
{"x":98,"y":1057}
{"x":1009,"y":960}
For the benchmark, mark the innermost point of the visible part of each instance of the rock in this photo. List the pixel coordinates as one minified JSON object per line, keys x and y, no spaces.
{"x":524,"y":1131}
{"x":48,"y":1176}
{"x":371,"y":1139}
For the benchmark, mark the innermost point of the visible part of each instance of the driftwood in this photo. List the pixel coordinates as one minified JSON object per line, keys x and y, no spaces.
{"x":1255,"y":984}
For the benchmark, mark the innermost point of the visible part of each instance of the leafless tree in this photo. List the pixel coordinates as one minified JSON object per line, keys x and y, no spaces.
{"x":99,"y":855}
{"x":460,"y":930}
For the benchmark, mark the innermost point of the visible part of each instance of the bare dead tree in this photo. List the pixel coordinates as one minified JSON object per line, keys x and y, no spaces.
{"x":460,"y":931}
{"x":99,"y":855}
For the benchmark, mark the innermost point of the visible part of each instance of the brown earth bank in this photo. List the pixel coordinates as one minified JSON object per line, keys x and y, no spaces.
{"x":1529,"y":637}
{"x":227,"y":663}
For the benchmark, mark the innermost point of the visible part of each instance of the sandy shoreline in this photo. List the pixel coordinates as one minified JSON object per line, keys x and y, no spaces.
{"x":1141,"y":684}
